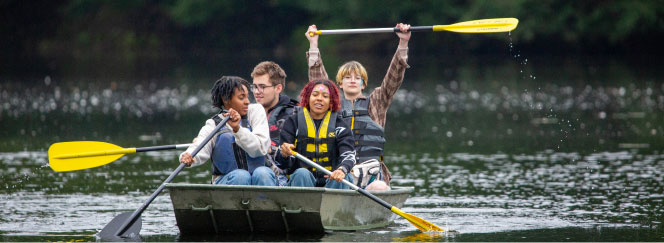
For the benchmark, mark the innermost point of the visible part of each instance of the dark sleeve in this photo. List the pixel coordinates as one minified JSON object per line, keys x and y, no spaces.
{"x":345,"y":145}
{"x":287,"y":135}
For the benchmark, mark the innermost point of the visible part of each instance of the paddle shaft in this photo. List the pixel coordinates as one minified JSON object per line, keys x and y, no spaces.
{"x":373,"y":30}
{"x":348,"y":183}
{"x":421,"y":224}
{"x":473,"y":26}
{"x":121,"y":151}
{"x":140,"y":210}
{"x":163,"y":147}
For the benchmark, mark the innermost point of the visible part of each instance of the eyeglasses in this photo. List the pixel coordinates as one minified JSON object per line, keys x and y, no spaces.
{"x":259,"y":87}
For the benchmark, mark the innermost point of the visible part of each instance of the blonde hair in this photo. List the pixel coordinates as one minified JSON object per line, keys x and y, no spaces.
{"x":352,"y":67}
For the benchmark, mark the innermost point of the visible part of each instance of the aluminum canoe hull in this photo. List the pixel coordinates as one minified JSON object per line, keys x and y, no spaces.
{"x":215,"y":209}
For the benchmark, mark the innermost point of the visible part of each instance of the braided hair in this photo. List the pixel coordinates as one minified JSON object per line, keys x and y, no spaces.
{"x":224,"y":88}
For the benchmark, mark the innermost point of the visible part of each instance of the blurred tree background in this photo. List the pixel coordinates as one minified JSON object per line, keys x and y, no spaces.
{"x":56,"y":36}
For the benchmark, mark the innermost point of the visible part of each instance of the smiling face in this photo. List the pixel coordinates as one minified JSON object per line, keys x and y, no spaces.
{"x":239,"y":101}
{"x":319,"y":101}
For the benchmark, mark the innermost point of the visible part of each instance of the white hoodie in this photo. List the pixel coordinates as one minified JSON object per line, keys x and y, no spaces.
{"x":255,"y":142}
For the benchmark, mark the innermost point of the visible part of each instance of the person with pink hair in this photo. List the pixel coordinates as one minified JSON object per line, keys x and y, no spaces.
{"x":365,"y":115}
{"x":317,"y":132}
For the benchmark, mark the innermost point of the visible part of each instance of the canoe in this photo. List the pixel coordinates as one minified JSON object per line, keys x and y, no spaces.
{"x":215,"y":209}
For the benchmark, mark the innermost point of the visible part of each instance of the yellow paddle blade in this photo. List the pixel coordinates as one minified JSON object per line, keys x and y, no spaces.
{"x":480,"y":26}
{"x":421,"y":224}
{"x":79,"y":155}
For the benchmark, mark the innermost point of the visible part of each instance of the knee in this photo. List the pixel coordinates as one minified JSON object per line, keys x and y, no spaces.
{"x":262,"y":171}
{"x":302,"y":178}
{"x":301,"y":172}
{"x":239,"y":174}
{"x":378,"y":186}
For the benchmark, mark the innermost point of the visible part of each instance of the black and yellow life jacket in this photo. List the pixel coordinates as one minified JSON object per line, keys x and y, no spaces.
{"x":317,"y":144}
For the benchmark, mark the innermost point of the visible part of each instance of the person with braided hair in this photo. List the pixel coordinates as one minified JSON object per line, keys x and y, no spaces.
{"x":238,"y":151}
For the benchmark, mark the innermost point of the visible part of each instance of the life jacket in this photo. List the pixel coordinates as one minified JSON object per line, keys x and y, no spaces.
{"x":228,"y":156}
{"x":275,"y":121}
{"x":369,"y":136}
{"x":319,"y":145}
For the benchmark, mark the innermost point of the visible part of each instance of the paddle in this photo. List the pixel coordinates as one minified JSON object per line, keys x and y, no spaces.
{"x":127,"y":225}
{"x":473,"y":26}
{"x":421,"y":224}
{"x":79,"y":155}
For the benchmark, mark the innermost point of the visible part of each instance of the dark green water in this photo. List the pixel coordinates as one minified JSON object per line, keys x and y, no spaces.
{"x":499,"y":149}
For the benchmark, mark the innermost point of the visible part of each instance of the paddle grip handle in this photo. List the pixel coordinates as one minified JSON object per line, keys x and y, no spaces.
{"x":177,"y":171}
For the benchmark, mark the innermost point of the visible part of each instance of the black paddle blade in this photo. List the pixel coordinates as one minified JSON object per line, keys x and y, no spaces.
{"x":111,"y":229}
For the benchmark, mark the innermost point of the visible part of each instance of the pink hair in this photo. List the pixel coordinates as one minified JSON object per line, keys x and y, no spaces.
{"x":335,"y":103}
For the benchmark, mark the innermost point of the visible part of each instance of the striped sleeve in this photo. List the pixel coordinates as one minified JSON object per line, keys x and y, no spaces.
{"x":381,"y":97}
{"x":315,"y":63}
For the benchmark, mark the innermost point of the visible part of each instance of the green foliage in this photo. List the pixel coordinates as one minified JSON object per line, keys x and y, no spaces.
{"x":132,"y":29}
{"x":194,"y":12}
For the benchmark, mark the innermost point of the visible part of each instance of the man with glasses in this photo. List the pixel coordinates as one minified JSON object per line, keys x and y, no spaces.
{"x":269,"y":80}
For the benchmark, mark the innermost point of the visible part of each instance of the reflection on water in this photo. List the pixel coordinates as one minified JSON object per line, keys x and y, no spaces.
{"x":491,"y":152}
{"x":470,"y":193}
{"x":522,"y":190}
{"x":458,"y":116}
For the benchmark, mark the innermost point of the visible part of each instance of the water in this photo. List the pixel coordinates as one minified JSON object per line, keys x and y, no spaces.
{"x":497,"y":149}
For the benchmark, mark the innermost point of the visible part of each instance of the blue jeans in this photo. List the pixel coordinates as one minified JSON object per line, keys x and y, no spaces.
{"x":262,"y":176}
{"x":304,"y":178}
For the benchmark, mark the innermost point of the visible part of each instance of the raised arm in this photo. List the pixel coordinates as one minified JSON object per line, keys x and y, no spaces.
{"x":381,"y":97}
{"x":315,"y":62}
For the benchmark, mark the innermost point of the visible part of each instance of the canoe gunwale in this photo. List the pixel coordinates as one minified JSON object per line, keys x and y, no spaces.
{"x":394,"y":190}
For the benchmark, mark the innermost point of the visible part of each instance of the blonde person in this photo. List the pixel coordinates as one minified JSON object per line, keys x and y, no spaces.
{"x":365,"y":115}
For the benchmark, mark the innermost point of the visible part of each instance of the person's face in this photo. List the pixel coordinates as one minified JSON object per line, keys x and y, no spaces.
{"x":239,"y":101}
{"x":351,"y":83}
{"x":319,"y":101}
{"x":265,"y":93}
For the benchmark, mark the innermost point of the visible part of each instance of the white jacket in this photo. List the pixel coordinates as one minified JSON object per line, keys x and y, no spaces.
{"x":255,"y":142}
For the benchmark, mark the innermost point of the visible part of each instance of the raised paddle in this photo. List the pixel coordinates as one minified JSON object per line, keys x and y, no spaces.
{"x":79,"y":155}
{"x":127,"y":225}
{"x":473,"y":26}
{"x":421,"y":224}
